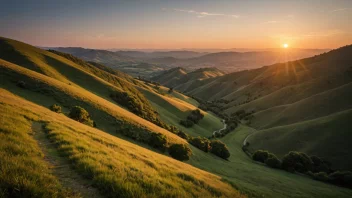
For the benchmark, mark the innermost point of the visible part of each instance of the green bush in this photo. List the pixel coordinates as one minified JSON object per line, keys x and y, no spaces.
{"x":320,"y":165}
{"x":158,"y":140}
{"x":341,"y":178}
{"x":180,"y":152}
{"x":81,"y":115}
{"x":297,"y":161}
{"x":195,"y":116}
{"x":260,"y":156}
{"x":272,"y":161}
{"x":201,"y":143}
{"x":183,"y":135}
{"x":56,"y":108}
{"x":220,"y":149}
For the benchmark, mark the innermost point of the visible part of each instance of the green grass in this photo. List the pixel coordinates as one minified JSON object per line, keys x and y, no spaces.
{"x":328,"y":137}
{"x":258,"y":180}
{"x":172,"y":110}
{"x":23,"y":171}
{"x":116,"y":167}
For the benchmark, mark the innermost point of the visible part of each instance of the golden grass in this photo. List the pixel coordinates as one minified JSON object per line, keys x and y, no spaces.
{"x":90,"y":98}
{"x":116,"y":167}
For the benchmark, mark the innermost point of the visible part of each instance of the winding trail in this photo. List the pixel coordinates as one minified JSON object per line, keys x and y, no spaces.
{"x":218,"y":131}
{"x":60,"y":166}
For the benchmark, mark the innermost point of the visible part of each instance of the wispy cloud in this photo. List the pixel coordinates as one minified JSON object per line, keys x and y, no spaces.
{"x":204,"y":14}
{"x":271,"y":22}
{"x":340,"y":9}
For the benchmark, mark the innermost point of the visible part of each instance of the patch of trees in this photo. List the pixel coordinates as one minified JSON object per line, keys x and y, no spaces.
{"x":313,"y":166}
{"x":215,"y":146}
{"x":81,"y":115}
{"x":180,"y":152}
{"x":55,"y":108}
{"x":192,"y":118}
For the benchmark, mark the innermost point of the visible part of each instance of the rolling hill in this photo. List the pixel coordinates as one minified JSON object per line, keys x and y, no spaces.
{"x":46,"y":154}
{"x":287,"y":95}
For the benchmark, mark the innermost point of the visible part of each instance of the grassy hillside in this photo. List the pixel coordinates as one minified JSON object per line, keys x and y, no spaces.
{"x":46,"y":91}
{"x":178,"y":78}
{"x":257,"y":179}
{"x":115,"y":167}
{"x":328,"y":137}
{"x":174,"y":107}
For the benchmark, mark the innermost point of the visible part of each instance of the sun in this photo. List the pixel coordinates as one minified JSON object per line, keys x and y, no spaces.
{"x":285,"y":45}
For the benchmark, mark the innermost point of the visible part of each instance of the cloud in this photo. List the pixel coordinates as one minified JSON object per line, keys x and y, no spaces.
{"x":204,"y":14}
{"x":271,"y":22}
{"x":339,"y":10}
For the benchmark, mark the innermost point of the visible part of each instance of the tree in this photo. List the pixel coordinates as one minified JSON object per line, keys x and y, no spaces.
{"x":201,"y":143}
{"x":272,"y":161}
{"x":171,"y":90}
{"x":81,"y":115}
{"x":158,"y":140}
{"x":260,"y":156}
{"x":220,"y":149}
{"x":297,"y":161}
{"x":56,"y":108}
{"x":180,"y":152}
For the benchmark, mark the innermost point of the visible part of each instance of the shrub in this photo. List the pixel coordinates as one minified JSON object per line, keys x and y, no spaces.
{"x":183,"y":135}
{"x":297,"y":161}
{"x":56,"y":108}
{"x":180,"y":152}
{"x":158,"y":140}
{"x":260,"y":156}
{"x":195,"y":116}
{"x":187,"y":123}
{"x":272,"y":161}
{"x":21,"y":84}
{"x":220,"y":149}
{"x":320,"y":165}
{"x":321,"y":176}
{"x":201,"y":143}
{"x":81,"y":115}
{"x":342,"y":178}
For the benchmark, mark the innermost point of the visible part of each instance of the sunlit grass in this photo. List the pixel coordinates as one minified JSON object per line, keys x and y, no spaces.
{"x":115,"y":166}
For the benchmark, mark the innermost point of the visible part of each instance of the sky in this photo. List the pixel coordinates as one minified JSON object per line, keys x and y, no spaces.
{"x":181,"y":24}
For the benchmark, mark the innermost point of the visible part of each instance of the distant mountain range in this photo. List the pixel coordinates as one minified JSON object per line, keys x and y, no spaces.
{"x":226,"y":61}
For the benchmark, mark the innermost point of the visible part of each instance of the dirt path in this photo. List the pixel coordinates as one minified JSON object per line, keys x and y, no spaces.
{"x":60,"y":166}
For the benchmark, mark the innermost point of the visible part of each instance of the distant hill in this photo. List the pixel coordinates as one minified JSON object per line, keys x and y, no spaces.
{"x":178,"y":77}
{"x":235,"y":61}
{"x":145,"y":63}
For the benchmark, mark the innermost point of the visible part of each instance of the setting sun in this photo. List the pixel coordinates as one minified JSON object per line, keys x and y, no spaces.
{"x":285,"y":45}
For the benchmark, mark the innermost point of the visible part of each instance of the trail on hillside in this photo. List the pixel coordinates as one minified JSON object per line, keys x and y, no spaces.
{"x":218,"y":131}
{"x":60,"y":166}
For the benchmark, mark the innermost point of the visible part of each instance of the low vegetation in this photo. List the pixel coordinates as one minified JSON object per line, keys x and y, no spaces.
{"x":313,"y":166}
{"x":193,"y":118}
{"x":81,"y":115}
{"x":180,"y":152}
{"x":56,"y":108}
{"x":220,"y":149}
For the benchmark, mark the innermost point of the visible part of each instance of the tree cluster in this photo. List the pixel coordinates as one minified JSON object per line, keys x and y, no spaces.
{"x":192,"y":118}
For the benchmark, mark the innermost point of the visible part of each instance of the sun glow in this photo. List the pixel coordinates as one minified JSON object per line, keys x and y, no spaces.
{"x":285,"y":45}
